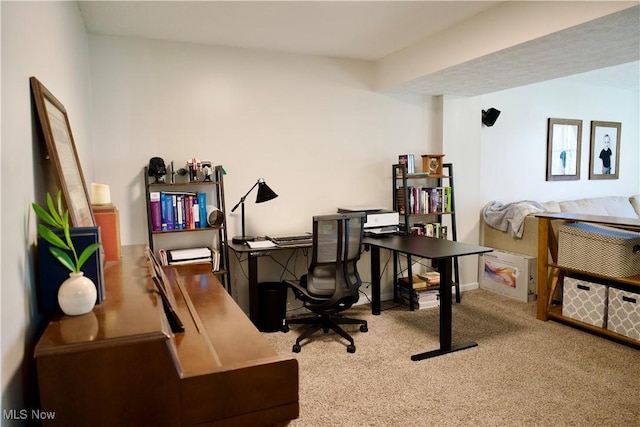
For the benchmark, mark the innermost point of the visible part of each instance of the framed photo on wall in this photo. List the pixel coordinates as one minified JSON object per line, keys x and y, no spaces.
{"x":61,"y":150}
{"x":604,"y":161}
{"x":564,"y":138}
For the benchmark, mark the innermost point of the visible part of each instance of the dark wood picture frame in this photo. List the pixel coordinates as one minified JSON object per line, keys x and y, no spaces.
{"x":564,"y":138}
{"x":605,"y":149}
{"x":61,"y":150}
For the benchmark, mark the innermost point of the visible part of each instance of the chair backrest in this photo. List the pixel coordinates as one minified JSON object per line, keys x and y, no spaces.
{"x":337,"y":245}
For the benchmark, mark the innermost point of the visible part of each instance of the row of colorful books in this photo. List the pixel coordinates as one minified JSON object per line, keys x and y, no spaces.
{"x":424,"y":200}
{"x":171,"y":210}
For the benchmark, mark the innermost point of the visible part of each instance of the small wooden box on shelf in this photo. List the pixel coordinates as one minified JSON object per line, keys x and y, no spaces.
{"x":432,"y":164}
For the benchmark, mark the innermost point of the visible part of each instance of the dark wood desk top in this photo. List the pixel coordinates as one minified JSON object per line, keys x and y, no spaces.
{"x":425,"y":247}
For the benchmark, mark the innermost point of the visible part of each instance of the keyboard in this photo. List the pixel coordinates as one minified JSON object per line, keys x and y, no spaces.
{"x":291,"y":239}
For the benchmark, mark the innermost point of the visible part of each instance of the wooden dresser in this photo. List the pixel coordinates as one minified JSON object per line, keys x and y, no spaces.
{"x":121,"y":364}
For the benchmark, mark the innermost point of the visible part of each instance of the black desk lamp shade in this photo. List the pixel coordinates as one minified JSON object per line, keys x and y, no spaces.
{"x":264,"y":195}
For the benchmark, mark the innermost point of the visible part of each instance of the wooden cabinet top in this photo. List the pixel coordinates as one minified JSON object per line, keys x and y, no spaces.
{"x":218,"y":334}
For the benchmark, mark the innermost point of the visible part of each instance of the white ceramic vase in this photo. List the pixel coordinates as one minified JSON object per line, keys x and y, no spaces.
{"x":77,"y":295}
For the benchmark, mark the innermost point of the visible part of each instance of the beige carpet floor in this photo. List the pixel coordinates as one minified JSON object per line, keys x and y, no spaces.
{"x":524,"y":372}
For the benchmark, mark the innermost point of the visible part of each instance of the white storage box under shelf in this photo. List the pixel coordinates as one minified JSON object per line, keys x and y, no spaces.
{"x":509,"y":274}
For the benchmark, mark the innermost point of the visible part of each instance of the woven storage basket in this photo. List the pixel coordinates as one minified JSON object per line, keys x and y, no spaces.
{"x":599,"y":249}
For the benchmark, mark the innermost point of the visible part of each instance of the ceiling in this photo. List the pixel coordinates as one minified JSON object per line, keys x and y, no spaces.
{"x":372,"y":30}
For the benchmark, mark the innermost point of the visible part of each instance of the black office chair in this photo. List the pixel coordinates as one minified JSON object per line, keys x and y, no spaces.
{"x":332,"y":281}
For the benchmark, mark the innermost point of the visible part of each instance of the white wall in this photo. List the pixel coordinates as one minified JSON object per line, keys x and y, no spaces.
{"x":461,"y":144}
{"x":513,"y":160}
{"x":46,"y":40}
{"x":311,"y":126}
{"x":507,"y":162}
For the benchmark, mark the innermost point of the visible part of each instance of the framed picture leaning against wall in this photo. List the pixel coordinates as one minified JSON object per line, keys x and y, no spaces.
{"x":61,"y":151}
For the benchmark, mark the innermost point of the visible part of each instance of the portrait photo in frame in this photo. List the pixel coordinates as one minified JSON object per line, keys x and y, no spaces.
{"x":604,"y":161}
{"x":61,"y":151}
{"x":564,"y":138}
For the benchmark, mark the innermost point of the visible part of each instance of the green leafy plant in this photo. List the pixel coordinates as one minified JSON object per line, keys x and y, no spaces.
{"x":62,"y":250}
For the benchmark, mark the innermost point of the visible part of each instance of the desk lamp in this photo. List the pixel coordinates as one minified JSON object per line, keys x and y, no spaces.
{"x":264,"y":194}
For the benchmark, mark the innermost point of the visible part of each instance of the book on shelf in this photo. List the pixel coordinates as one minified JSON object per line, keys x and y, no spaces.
{"x":443,"y":232}
{"x":166,"y":212}
{"x":188,"y":254}
{"x":427,"y":293}
{"x":216,"y":259}
{"x":417,"y":282}
{"x":156,"y":211}
{"x":177,"y":210}
{"x":424,"y":299}
{"x":432,"y":229}
{"x":400,"y":205}
{"x":202,"y":205}
{"x":424,"y":200}
{"x":196,"y":212}
{"x":191,"y":261}
{"x":188,"y":213}
{"x":409,"y":161}
{"x":447,"y":199}
{"x":420,"y":305}
{"x":430,"y":277}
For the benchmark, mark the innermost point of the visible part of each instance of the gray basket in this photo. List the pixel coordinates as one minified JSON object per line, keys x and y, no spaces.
{"x":585,"y":301}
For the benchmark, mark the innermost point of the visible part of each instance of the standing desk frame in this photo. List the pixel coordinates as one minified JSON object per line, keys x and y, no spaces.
{"x":442,"y":252}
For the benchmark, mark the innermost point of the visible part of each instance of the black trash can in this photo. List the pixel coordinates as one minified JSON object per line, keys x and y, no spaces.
{"x":272,"y":297}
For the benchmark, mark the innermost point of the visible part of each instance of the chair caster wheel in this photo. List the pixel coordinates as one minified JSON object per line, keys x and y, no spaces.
{"x":296,"y":348}
{"x":351,"y":348}
{"x":285,"y":328}
{"x":363,"y":328}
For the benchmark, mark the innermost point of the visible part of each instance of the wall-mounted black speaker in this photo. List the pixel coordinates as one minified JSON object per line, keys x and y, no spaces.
{"x":490,"y":116}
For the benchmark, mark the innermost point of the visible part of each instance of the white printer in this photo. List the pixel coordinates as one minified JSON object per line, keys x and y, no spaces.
{"x":377,"y":220}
